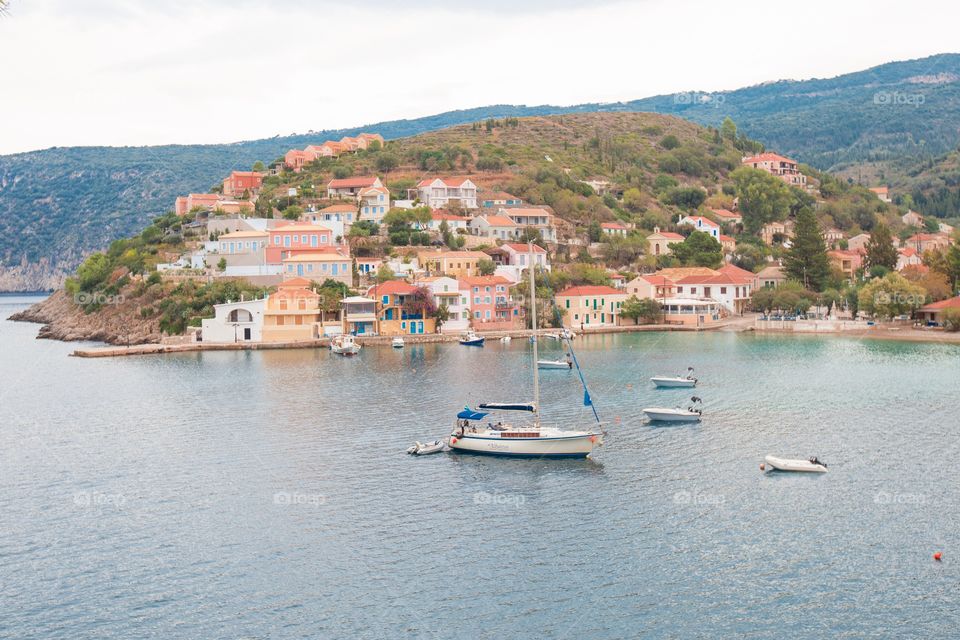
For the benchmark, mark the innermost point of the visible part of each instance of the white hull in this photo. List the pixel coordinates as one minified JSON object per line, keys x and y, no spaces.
{"x":397,"y":343}
{"x":564,"y":444}
{"x":673,"y":383}
{"x":553,"y":364}
{"x":672,"y":415}
{"x":786,"y":464}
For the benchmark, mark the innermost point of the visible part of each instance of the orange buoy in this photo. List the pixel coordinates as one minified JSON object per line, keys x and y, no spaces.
{"x":453,"y":441}
{"x":762,"y":466}
{"x":937,"y":556}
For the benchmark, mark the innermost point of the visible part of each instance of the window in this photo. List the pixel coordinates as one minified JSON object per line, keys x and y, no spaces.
{"x":386,"y":299}
{"x":476,"y":300}
{"x":486,"y":300}
{"x":313,"y":240}
{"x":335,"y":268}
{"x":476,"y":314}
{"x":568,"y":303}
{"x":723,"y":290}
{"x":310,"y":267}
{"x":286,"y":241}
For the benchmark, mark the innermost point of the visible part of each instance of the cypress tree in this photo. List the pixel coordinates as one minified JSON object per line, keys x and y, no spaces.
{"x":806,"y":260}
{"x":880,"y":249}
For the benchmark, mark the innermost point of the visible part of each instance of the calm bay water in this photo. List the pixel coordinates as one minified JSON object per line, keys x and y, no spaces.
{"x":267,"y":495}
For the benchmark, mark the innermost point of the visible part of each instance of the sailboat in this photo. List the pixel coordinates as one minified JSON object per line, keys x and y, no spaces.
{"x":528,"y":437}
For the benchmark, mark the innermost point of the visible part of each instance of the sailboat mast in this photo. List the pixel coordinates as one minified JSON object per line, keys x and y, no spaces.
{"x":533,"y":312}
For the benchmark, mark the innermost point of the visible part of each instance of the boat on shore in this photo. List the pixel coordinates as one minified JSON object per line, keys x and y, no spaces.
{"x":675,"y":382}
{"x":526,"y":437}
{"x":344,"y":345}
{"x":471,"y":339}
{"x":811,"y":465}
{"x":678,"y":414}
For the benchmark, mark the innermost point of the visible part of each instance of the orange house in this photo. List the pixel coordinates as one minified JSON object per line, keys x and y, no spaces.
{"x":239,"y":183}
{"x":294,"y":239}
{"x":292,"y":313}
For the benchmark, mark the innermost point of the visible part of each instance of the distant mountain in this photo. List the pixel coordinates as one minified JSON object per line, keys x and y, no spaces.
{"x":58,"y":204}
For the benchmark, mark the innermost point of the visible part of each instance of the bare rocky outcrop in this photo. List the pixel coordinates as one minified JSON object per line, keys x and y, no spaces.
{"x":117,"y":321}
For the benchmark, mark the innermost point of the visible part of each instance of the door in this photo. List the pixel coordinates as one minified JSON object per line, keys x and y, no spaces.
{"x":420,"y":327}
{"x":299,"y":269}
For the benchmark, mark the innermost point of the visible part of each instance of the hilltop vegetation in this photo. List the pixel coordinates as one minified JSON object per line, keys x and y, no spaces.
{"x":59,"y":204}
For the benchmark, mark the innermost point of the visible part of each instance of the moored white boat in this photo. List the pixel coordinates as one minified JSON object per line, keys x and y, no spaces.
{"x":813,"y":465}
{"x":670,"y":382}
{"x":471,"y":339}
{"x":555,"y":364}
{"x":425,"y":449}
{"x":397,"y":343}
{"x":344,"y":345}
{"x":506,"y":339}
{"x":678,"y":414}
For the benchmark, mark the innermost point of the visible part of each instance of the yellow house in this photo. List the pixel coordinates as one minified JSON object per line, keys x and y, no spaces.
{"x":590,"y":306}
{"x":319,"y":266}
{"x":457,"y":264}
{"x":292,"y":313}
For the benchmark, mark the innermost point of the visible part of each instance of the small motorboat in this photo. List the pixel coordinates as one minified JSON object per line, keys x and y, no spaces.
{"x":672,"y":382}
{"x":811,"y":465}
{"x":506,"y":339}
{"x":397,"y":343}
{"x":344,"y":345}
{"x":421,"y":449}
{"x":471,"y":339}
{"x":555,"y":364}
{"x":567,"y":334}
{"x":690,"y":414}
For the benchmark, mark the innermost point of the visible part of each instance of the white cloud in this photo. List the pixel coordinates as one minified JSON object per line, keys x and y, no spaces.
{"x":135,"y":72}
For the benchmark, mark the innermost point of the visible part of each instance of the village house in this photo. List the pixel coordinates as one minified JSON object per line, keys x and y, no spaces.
{"x":924,"y":242}
{"x":691,"y":312}
{"x":491,"y":305}
{"x":732,"y":291}
{"x":459,"y":264}
{"x":450,"y":293}
{"x":188,"y":203}
{"x":618,"y":281}
{"x":769,"y":278}
{"x":498,"y":199}
{"x":394,"y":318}
{"x":292,"y":313}
{"x":512,"y":259}
{"x":659,"y":241}
{"x":368,"y":267}
{"x":342,"y":213}
{"x":600,"y":186}
{"x":297,"y":238}
{"x":848,"y":262}
{"x":244,"y":253}
{"x":651,"y":286}
{"x":439,"y":193}
{"x":727,"y":243}
{"x":932,"y":314}
{"x":454,"y":223}
{"x":908,"y":256}
{"x":495,"y":226}
{"x":912,"y":219}
{"x":319,"y":267}
{"x":777,"y":232}
{"x":295,"y":159}
{"x":699,"y":223}
{"x":374,"y":203}
{"x":883,"y":193}
{"x":943,"y":227}
{"x":726,"y":217}
{"x":240,"y":321}
{"x":833,"y":236}
{"x":858,"y":242}
{"x":242,"y":184}
{"x":590,"y":306}
{"x":614,"y":229}
{"x":532,"y":218}
{"x":359,"y":315}
{"x":775,"y":164}
{"x":349,"y":188}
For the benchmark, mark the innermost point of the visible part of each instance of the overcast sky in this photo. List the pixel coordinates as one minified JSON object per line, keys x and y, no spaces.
{"x":132,"y":72}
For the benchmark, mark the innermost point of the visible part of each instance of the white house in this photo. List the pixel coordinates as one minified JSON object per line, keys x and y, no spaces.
{"x":235,"y":322}
{"x":614,"y":229}
{"x":374,"y":203}
{"x":702,"y":224}
{"x":437,"y":193}
{"x":534,"y":217}
{"x":494,"y":226}
{"x":518,"y":255}
{"x":454,"y":223}
{"x":447,"y":292}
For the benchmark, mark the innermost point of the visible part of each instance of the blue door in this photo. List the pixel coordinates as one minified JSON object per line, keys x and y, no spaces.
{"x":299,"y":269}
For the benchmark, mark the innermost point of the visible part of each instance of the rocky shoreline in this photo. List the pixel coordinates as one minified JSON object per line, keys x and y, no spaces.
{"x":63,"y":319}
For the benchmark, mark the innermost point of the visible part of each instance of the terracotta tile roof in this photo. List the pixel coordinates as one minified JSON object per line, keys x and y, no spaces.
{"x":695,"y":219}
{"x":335,"y":208}
{"x":614,"y":225}
{"x":723,"y":213}
{"x":481,"y":281}
{"x":352,"y":183}
{"x":392,"y":287}
{"x":519,"y":247}
{"x":767,"y":157}
{"x":734,"y":270}
{"x":498,"y":221}
{"x":670,"y":235}
{"x":443,"y":215}
{"x":949,"y":303}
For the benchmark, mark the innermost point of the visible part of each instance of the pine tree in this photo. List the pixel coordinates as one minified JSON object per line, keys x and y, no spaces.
{"x":880,"y":249}
{"x":806,"y":260}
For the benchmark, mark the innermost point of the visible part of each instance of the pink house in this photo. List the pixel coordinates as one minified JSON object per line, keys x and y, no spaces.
{"x":185,"y":204}
{"x":491,"y":305}
{"x":297,"y":238}
{"x":775,"y":164}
